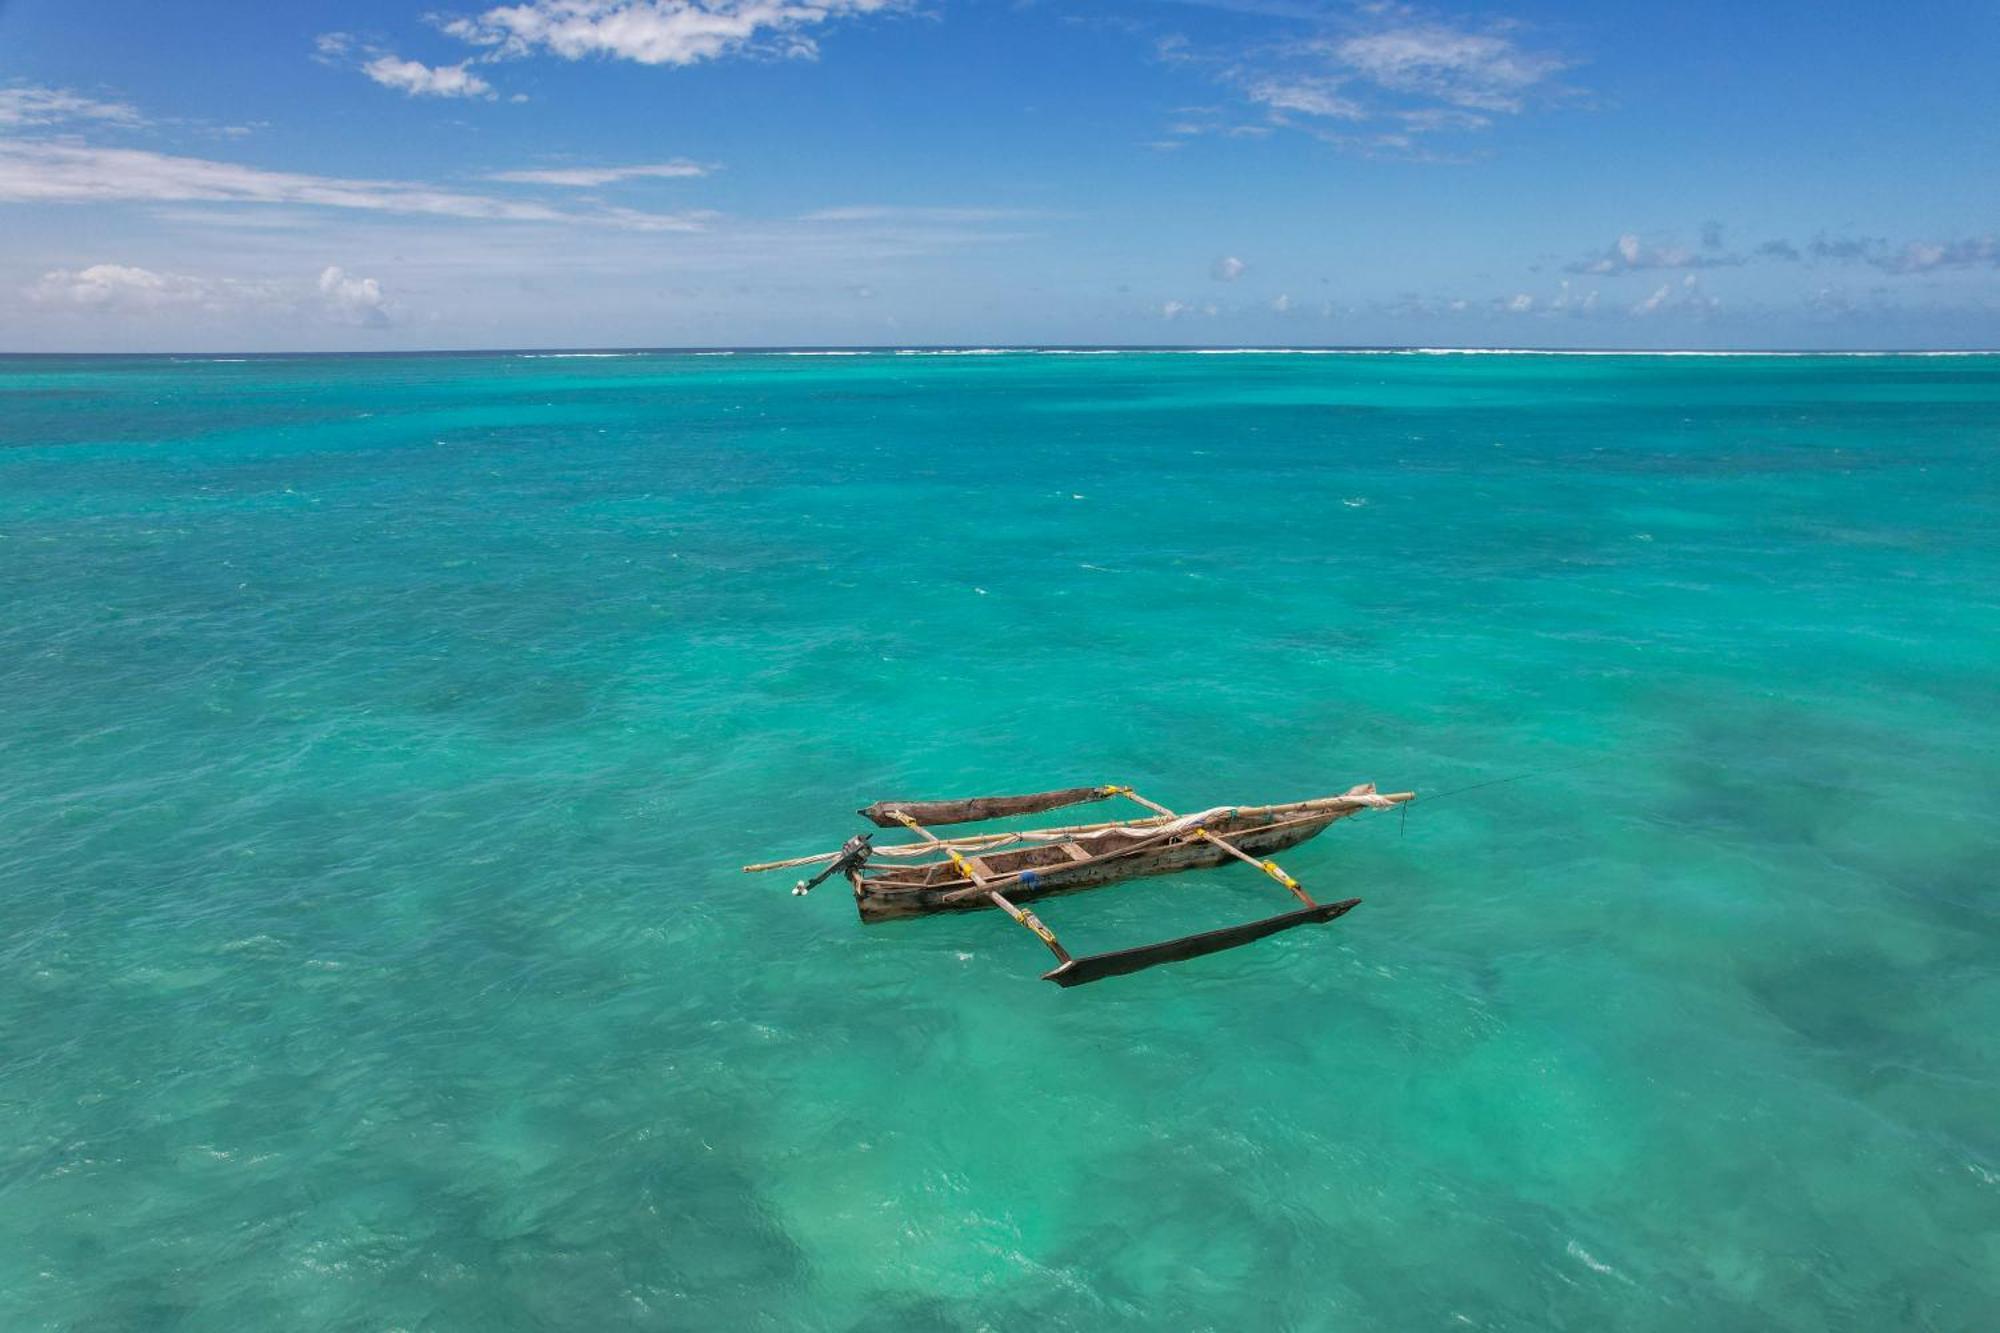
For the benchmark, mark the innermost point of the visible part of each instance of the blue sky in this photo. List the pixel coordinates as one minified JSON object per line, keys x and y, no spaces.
{"x":413,"y":173}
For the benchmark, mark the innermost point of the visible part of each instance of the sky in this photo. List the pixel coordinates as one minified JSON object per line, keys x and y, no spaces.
{"x":378,"y":175}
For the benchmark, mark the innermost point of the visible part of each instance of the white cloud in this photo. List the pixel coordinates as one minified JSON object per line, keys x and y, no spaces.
{"x":1206,"y":121}
{"x":127,"y":290}
{"x":416,"y":79}
{"x":34,"y":105}
{"x":123,"y":288}
{"x":1481,"y":71}
{"x":1281,"y":303}
{"x":32,"y":172}
{"x":1922,"y":256}
{"x":1388,"y":69}
{"x":1173,"y":309}
{"x":659,"y":32}
{"x":1227,"y":269}
{"x":1911,"y":257}
{"x":1683,"y":297}
{"x":1308,"y":95}
{"x":587,"y":177}
{"x":412,"y":78}
{"x":1630,"y":253}
{"x":353,"y":300}
{"x":1569,"y":302}
{"x":915,"y":213}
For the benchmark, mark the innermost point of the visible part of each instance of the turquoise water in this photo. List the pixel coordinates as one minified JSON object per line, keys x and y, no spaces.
{"x":380,"y":738}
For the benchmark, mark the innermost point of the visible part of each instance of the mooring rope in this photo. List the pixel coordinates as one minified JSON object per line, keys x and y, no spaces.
{"x":1403,"y":826}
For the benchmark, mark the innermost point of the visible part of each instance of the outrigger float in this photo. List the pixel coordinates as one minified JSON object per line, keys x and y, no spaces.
{"x":1006,"y":870}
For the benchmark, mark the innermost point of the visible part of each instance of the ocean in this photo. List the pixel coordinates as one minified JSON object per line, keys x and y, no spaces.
{"x":380,"y":738}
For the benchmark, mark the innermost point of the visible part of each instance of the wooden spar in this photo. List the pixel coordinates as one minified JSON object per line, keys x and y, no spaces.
{"x":974,"y":808}
{"x":1348,"y":803}
{"x":1270,"y":868}
{"x":1021,"y":915}
{"x":1154,"y":806}
{"x":1033,"y":923}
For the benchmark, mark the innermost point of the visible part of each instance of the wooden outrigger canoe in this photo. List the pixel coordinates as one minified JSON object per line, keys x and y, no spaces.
{"x":1005,"y":870}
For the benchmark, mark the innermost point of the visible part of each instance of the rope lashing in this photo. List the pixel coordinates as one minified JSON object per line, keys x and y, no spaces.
{"x":1271,"y":869}
{"x":959,"y":863}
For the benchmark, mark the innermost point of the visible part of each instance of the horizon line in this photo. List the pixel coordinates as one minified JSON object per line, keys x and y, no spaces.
{"x":1004,"y":349}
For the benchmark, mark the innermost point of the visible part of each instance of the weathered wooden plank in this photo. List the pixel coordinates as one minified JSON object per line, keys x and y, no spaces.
{"x":979,"y":807}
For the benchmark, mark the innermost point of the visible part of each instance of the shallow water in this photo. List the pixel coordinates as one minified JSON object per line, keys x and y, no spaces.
{"x":379,"y":738}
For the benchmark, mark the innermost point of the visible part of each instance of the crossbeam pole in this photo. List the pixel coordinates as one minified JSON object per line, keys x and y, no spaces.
{"x":1271,"y":868}
{"x":1022,"y":916}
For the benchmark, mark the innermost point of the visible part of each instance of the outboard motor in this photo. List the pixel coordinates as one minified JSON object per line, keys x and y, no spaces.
{"x":853,"y":855}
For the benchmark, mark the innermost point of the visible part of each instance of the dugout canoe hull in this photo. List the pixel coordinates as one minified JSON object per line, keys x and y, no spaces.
{"x":1007,"y":871}
{"x":1048,"y":870}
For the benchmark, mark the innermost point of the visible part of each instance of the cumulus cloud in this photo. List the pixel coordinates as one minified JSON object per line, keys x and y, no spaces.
{"x":1281,"y":303}
{"x":416,"y":79}
{"x":1174,"y":309}
{"x":353,"y":300}
{"x":1629,"y":253}
{"x":34,"y":172}
{"x":659,"y":32}
{"x":33,"y":105}
{"x":1683,"y":297}
{"x":128,"y":290}
{"x":1655,"y":301}
{"x":1567,"y":303}
{"x":124,"y":288}
{"x":589,"y":177}
{"x":1227,"y":269}
{"x":412,"y":78}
